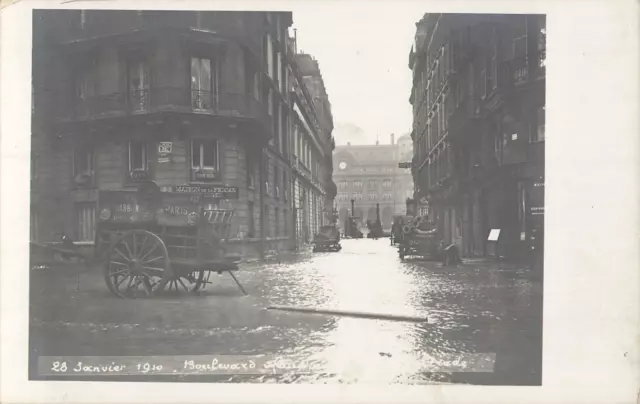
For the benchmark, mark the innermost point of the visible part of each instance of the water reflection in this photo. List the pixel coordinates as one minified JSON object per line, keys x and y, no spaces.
{"x":471,"y":309}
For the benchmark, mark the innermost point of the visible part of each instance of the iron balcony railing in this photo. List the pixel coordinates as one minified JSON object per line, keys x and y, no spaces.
{"x":95,"y":24}
{"x":523,"y":69}
{"x":160,"y":99}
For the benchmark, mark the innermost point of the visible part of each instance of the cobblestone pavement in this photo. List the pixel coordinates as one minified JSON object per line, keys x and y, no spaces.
{"x":477,"y":307}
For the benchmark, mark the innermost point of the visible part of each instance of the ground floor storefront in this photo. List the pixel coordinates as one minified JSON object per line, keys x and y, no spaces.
{"x":69,"y":180}
{"x":309,"y":212}
{"x":514,"y":206}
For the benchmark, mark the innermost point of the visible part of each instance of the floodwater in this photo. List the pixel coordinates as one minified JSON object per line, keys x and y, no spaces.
{"x":479,"y":307}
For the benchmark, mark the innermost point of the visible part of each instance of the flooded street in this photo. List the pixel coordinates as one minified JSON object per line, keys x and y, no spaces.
{"x":479,"y":307}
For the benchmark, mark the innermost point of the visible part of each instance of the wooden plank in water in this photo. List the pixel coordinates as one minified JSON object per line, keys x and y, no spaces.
{"x":356,"y":314}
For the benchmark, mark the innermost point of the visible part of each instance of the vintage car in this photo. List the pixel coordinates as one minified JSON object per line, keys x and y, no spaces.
{"x":327,"y":239}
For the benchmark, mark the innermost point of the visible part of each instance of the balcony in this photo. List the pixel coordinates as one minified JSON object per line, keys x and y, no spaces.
{"x":520,"y":71}
{"x":168,"y":99}
{"x":111,"y":24}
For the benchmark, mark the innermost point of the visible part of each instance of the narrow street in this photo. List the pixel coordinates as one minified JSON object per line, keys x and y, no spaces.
{"x":477,"y":307}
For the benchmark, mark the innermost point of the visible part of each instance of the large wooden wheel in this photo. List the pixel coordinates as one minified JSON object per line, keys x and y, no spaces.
{"x":138,"y":265}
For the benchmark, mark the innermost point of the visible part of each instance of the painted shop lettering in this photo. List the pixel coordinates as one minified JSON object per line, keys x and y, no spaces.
{"x":176,"y":210}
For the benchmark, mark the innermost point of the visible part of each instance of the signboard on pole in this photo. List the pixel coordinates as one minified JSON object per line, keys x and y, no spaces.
{"x":406,"y":164}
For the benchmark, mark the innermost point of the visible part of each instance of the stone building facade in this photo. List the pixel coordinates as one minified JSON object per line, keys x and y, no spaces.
{"x":313,"y":144}
{"x":177,"y":97}
{"x":369,"y":175}
{"x":478,"y":101}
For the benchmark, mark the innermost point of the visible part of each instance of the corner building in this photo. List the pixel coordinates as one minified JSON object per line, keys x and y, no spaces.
{"x":177,"y":97}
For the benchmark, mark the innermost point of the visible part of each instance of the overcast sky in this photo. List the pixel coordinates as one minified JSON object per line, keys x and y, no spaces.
{"x":363,"y":54}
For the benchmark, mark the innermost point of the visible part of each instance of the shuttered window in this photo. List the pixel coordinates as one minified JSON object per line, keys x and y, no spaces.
{"x":86,"y":219}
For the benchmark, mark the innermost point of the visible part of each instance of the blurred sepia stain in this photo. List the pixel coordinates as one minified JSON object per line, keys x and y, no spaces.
{"x":5,"y":3}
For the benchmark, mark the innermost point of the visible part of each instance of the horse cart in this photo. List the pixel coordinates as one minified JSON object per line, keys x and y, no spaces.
{"x":154,"y":241}
{"x":417,"y":238}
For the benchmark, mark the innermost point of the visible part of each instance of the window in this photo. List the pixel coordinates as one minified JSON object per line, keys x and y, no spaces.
{"x":138,"y":162}
{"x":83,"y":164}
{"x":285,"y":214}
{"x":520,"y":39}
{"x":373,"y":184}
{"x":138,"y":84}
{"x":285,"y":186}
{"x":494,"y":60}
{"x":386,"y":184}
{"x":540,"y":121}
{"x":277,"y":222}
{"x":251,"y":173}
{"x":202,"y":84}
{"x":204,"y":159}
{"x":269,"y":55}
{"x":85,"y":83}
{"x":85,"y":214}
{"x":459,"y":92}
{"x":357,"y":184}
{"x":33,"y":234}
{"x":251,"y":221}
{"x":276,"y":175}
{"x":372,"y":195}
{"x":483,"y":83}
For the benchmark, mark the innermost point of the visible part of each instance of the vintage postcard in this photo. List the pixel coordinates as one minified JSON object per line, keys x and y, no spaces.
{"x":317,"y":201}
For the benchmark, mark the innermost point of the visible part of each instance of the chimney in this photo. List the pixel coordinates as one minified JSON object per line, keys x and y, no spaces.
{"x":295,"y":41}
{"x":392,"y":139}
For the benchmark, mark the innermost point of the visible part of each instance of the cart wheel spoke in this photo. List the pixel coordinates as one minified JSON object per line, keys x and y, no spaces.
{"x":135,"y":247}
{"x":141,"y":251}
{"x":126,"y":245}
{"x":122,"y":280}
{"x":153,"y":259}
{"x":143,"y":259}
{"x":122,"y":254}
{"x":119,"y":271}
{"x":186,"y":289}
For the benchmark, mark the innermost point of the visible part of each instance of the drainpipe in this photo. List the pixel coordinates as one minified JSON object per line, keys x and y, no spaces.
{"x":262,"y":221}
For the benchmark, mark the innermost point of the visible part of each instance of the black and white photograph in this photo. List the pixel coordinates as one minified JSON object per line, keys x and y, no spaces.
{"x":326,"y":195}
{"x":205,"y":205}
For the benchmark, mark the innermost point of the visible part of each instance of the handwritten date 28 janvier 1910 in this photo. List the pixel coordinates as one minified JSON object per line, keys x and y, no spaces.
{"x":80,"y":367}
